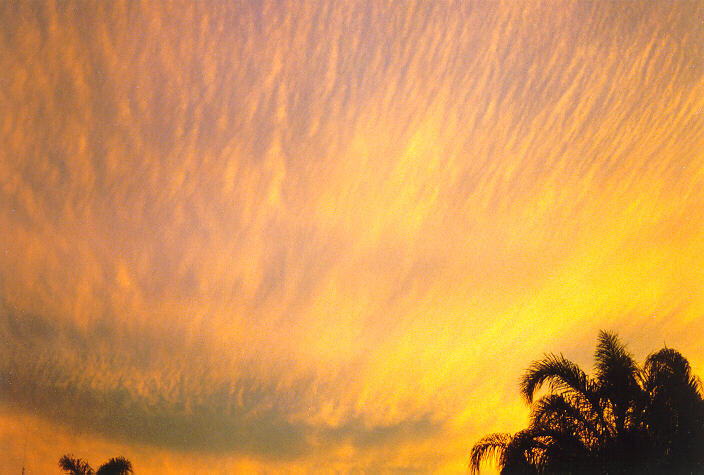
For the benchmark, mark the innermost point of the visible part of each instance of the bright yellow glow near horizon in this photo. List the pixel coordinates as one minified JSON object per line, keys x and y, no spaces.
{"x":329,"y":236}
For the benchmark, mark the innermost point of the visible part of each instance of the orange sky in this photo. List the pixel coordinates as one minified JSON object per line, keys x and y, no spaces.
{"x":312,"y":235}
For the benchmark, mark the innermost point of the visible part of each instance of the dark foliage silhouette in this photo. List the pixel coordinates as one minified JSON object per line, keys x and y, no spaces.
{"x":75,"y":466}
{"x":625,"y":418}
{"x":114,"y":466}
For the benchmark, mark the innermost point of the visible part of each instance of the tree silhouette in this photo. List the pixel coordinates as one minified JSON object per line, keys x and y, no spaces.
{"x":624,"y":419}
{"x":77,"y":466}
{"x":115,"y":466}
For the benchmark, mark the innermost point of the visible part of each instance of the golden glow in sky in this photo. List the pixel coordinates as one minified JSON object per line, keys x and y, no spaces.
{"x":262,"y":235}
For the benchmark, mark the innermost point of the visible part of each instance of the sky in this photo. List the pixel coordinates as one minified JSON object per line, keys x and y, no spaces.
{"x":264,"y":236}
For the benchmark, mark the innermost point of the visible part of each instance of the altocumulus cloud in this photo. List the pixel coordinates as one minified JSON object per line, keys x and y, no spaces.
{"x":192,"y":411}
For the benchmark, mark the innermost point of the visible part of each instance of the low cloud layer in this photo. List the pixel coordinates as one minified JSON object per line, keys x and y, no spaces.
{"x":316,"y":233}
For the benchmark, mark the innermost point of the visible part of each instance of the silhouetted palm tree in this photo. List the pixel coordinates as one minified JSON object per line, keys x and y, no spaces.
{"x":674,"y":416}
{"x":75,"y":466}
{"x":624,"y":419}
{"x":114,"y":466}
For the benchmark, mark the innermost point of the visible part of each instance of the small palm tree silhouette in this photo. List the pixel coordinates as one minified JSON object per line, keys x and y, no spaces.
{"x":77,"y":466}
{"x":115,"y":466}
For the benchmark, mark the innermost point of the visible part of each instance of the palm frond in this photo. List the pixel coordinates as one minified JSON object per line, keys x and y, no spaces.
{"x":565,"y":413}
{"x":557,"y":371}
{"x":617,"y":376}
{"x":491,"y":447}
{"x":613,"y":363}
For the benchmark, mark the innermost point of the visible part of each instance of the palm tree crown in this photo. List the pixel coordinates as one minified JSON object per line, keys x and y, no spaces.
{"x":624,"y":418}
{"x":115,"y":466}
{"x":77,"y":466}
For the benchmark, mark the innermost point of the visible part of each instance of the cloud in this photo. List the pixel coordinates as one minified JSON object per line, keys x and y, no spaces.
{"x":191,"y":411}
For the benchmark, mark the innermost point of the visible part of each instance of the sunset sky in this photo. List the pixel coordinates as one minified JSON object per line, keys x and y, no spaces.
{"x":317,"y":236}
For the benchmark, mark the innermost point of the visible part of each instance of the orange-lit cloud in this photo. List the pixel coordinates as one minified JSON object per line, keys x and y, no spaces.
{"x":331,"y":235}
